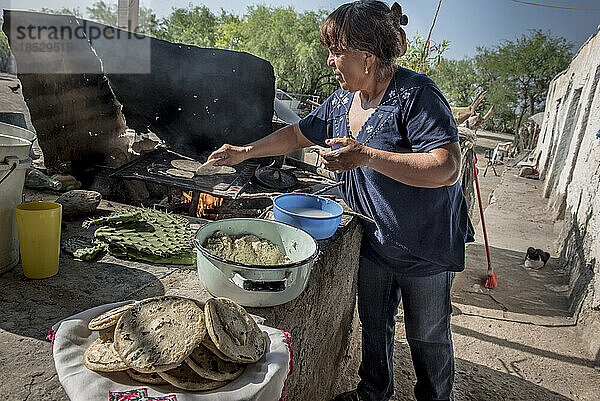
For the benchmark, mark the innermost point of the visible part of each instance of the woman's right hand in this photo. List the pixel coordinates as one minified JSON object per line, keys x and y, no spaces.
{"x":229,"y":155}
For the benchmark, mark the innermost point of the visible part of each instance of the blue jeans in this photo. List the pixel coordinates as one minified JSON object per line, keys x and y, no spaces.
{"x":427,"y":311}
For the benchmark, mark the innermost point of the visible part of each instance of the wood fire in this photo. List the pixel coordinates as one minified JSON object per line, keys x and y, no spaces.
{"x":206,"y":202}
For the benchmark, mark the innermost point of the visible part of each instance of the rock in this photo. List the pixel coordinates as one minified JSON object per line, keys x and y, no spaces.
{"x":134,"y":191}
{"x":79,"y":202}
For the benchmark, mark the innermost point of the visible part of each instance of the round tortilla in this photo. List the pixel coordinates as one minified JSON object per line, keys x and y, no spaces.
{"x":108,"y":319}
{"x":233,"y":331}
{"x":157,"y":334}
{"x":108,"y":335}
{"x":146,"y":378}
{"x":185,"y":378}
{"x":186,"y":165}
{"x":180,"y":173}
{"x":213,"y":170}
{"x":209,"y":366}
{"x":208,"y":343}
{"x":102,"y":357}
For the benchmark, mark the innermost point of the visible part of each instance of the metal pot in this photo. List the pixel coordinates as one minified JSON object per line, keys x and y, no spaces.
{"x":256,"y":285}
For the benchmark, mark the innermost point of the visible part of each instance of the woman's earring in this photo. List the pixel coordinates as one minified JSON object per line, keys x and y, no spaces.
{"x":366,"y":70}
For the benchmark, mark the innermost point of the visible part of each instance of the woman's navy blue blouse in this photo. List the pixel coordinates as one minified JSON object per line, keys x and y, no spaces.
{"x":420,"y":230}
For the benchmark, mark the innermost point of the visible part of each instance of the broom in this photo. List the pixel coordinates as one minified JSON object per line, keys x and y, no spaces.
{"x":492,"y":279}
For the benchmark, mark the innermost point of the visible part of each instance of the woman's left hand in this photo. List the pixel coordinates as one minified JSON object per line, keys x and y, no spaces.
{"x":350,"y":155}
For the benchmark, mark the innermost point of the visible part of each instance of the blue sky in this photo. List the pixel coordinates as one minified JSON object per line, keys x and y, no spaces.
{"x":465,"y":23}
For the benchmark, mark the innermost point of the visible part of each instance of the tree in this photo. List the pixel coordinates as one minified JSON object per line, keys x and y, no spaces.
{"x":459,"y":81}
{"x":103,"y":13}
{"x":230,"y":32}
{"x":194,"y":25}
{"x":148,"y":23}
{"x":516,"y":75}
{"x":416,"y":60}
{"x":106,"y":14}
{"x":501,"y":91}
{"x":519,"y":72}
{"x":5,"y":54}
{"x":288,"y":40}
{"x":63,"y":11}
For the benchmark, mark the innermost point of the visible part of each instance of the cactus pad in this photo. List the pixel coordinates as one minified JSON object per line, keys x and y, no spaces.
{"x":117,"y":217}
{"x":147,"y":234}
{"x":83,"y":248}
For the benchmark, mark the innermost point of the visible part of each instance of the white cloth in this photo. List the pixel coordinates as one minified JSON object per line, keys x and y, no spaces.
{"x":263,"y":380}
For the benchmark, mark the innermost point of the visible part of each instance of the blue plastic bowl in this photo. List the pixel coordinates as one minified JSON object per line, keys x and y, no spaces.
{"x":318,"y":216}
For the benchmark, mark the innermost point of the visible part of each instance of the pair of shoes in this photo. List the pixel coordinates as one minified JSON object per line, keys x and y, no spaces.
{"x":347,"y":396}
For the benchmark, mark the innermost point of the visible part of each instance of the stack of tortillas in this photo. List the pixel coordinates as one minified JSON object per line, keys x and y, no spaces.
{"x":172,"y":340}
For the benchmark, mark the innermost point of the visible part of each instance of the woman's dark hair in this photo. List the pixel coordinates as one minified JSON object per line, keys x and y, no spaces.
{"x":367,"y":25}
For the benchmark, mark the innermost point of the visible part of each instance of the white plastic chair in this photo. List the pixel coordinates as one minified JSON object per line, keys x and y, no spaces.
{"x":500,"y":151}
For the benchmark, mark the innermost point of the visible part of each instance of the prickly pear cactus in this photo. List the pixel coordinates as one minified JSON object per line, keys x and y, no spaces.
{"x":118,"y":217}
{"x":83,"y":248}
{"x":147,"y":234}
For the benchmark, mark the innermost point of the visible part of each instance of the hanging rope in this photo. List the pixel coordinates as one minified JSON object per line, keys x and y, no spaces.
{"x":553,"y":6}
{"x":425,"y":53}
{"x":467,"y":139}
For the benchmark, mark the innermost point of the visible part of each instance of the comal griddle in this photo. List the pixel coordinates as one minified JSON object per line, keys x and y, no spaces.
{"x":152,"y":167}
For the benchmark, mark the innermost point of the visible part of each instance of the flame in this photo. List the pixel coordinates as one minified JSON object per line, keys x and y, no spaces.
{"x":206,"y":202}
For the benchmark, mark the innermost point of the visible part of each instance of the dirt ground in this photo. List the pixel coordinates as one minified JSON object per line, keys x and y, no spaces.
{"x":487,"y":140}
{"x":496,"y":358}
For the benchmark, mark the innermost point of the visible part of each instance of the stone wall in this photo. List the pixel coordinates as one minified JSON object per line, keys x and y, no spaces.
{"x":568,"y":154}
{"x":322,"y":319}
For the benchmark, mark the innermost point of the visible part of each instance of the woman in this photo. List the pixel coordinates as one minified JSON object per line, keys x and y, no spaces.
{"x":394,"y":143}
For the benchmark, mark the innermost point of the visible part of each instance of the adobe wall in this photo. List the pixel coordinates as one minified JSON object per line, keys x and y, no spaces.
{"x":569,"y":165}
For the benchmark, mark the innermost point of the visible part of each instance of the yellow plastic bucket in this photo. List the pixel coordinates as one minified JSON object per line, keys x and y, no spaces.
{"x":38,"y":224}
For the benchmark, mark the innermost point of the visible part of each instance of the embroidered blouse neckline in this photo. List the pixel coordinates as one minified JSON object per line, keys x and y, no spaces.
{"x":388,"y":96}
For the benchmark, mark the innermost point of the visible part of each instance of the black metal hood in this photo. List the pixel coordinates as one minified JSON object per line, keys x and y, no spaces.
{"x":194,"y":99}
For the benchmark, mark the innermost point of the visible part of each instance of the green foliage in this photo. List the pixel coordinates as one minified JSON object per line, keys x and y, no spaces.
{"x":5,"y":55}
{"x":103,"y":13}
{"x":422,"y":57}
{"x":148,"y":23}
{"x":287,"y":39}
{"x":516,"y":75}
{"x":63,"y":11}
{"x":106,"y":14}
{"x":459,"y":81}
{"x":230,"y":32}
{"x":519,"y":72}
{"x":493,"y":77}
{"x":194,"y":25}
{"x":290,"y":41}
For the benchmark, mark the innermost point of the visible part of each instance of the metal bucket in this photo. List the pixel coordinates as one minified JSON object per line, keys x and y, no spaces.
{"x":13,"y":130}
{"x":257,"y":285}
{"x":14,"y":159}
